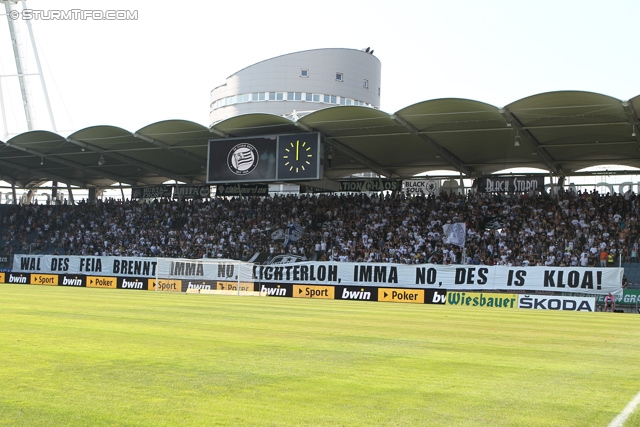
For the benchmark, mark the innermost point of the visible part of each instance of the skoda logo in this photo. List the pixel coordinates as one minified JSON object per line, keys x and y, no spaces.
{"x":242,"y":159}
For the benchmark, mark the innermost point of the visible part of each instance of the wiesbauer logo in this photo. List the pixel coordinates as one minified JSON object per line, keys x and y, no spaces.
{"x":74,"y":15}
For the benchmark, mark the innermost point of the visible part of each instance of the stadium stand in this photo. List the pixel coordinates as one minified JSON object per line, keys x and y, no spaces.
{"x":570,"y":229}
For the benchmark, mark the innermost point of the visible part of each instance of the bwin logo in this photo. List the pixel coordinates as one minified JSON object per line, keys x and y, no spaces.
{"x":439,"y":299}
{"x":361,"y":294}
{"x":131,"y":285}
{"x":71,"y":282}
{"x":17,"y":279}
{"x":200,"y":287}
{"x":280,"y":292}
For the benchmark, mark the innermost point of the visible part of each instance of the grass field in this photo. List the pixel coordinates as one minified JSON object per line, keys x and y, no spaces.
{"x":94,"y":357}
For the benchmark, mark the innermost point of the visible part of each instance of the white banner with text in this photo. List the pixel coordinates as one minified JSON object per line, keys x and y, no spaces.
{"x":452,"y":277}
{"x":75,"y":264}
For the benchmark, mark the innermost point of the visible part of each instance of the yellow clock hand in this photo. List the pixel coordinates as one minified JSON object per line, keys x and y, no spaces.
{"x":297,"y":149}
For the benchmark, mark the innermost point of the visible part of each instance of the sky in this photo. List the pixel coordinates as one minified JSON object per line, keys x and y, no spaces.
{"x":163,"y":65}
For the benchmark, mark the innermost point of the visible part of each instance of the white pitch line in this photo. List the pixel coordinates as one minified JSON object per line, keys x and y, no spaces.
{"x":626,"y":412}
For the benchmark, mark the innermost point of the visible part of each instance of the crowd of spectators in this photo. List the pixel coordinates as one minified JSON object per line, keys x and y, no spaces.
{"x":568,"y":229}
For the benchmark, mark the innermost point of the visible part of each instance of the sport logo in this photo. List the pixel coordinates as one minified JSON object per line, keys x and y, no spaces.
{"x":242,"y":159}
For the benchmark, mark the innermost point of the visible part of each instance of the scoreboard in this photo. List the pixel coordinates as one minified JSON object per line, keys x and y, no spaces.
{"x":295,"y":157}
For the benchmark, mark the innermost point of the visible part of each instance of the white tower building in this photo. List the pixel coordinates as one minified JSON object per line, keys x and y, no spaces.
{"x":297,"y":84}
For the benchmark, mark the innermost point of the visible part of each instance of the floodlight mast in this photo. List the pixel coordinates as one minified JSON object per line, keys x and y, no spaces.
{"x":19,"y":53}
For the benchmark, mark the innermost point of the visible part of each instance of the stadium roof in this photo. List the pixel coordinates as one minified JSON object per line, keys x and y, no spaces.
{"x":560,"y":132}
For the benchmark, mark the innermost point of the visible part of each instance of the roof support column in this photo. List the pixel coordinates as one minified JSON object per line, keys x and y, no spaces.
{"x":54,"y":191}
{"x":71,"y":201}
{"x":13,"y":190}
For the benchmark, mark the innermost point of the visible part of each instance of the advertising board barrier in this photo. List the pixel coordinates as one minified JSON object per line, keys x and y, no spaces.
{"x":19,"y":278}
{"x":522,"y":301}
{"x":44,"y":279}
{"x":583,"y":280}
{"x":72,"y":280}
{"x":369,"y":293}
{"x":457,"y":285}
{"x":132,"y":283}
{"x":488,"y":300}
{"x":546,"y":302}
{"x":102,"y":282}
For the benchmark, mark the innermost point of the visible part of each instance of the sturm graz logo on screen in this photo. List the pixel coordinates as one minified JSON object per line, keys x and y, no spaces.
{"x":242,"y":159}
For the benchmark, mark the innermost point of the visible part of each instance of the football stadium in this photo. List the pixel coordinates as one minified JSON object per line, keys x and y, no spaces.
{"x":302,"y":261}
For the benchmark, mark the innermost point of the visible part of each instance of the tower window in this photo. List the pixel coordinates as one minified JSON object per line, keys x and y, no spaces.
{"x":339,"y":77}
{"x":304,"y":72}
{"x":365,"y":83}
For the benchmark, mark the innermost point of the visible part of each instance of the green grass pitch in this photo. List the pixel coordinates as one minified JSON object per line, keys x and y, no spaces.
{"x":94,"y":357}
